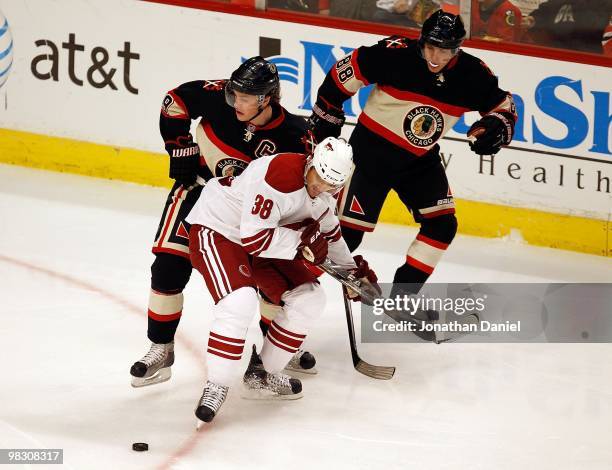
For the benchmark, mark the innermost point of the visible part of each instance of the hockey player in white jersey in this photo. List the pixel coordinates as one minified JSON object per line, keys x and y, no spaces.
{"x":255,"y":231}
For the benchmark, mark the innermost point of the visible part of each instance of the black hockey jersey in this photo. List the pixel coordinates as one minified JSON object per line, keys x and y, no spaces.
{"x":409,"y":106}
{"x":227,"y":145}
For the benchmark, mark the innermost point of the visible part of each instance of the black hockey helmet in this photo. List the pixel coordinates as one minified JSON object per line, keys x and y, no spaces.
{"x":443,"y":30}
{"x":256,"y":76}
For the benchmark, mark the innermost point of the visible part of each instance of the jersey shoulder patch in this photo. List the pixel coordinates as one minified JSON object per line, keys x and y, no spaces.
{"x":214,"y":85}
{"x":395,"y":42}
{"x":286,"y":172}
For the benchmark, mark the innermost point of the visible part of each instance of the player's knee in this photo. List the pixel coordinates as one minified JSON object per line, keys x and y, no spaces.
{"x":236,"y":309}
{"x":352,"y":237}
{"x":442,"y":228}
{"x":304,"y":304}
{"x":170,"y":273}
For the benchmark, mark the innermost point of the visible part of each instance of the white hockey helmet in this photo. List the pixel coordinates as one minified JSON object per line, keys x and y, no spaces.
{"x":333,"y":160}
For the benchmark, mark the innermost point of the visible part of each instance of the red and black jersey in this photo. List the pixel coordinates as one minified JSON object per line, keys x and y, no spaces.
{"x":409,"y":106}
{"x":227,"y":145}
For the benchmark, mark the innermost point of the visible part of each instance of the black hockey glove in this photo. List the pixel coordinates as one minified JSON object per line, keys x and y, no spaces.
{"x":491,"y":132}
{"x":325,"y":121}
{"x":184,"y":165}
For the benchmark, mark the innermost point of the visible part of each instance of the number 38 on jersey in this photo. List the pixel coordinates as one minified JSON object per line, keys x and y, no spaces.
{"x":262,"y":206}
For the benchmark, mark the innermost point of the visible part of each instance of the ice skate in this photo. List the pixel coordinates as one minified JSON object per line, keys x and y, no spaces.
{"x":261,"y":385}
{"x":303,"y":362}
{"x":211,"y":400}
{"x":154,"y":367}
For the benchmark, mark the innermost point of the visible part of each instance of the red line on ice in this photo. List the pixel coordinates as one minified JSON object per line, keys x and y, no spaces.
{"x":195,"y":351}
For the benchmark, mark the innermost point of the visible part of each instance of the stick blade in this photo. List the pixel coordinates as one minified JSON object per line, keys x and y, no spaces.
{"x":376,"y":372}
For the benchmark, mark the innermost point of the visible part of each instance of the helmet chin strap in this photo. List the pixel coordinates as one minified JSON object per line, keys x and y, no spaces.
{"x":260,"y":109}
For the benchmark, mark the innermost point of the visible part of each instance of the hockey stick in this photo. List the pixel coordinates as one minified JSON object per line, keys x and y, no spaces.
{"x":367,"y":296}
{"x":376,"y":372}
{"x":346,"y":277}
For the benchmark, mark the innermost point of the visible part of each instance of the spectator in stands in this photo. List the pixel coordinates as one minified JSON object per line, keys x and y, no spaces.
{"x":353,"y":9}
{"x":394,"y":12}
{"x":410,"y":13}
{"x":496,"y":19}
{"x":423,"y":10}
{"x":570,"y":24}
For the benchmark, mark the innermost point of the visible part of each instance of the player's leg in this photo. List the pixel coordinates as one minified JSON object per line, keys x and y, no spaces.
{"x":362,"y":198}
{"x":424,"y":189}
{"x":302,"y":361}
{"x":227,"y":273}
{"x":291,"y":284}
{"x":433,"y":207}
{"x":170,"y":273}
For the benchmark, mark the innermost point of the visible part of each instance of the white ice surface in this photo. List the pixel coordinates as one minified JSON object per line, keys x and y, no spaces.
{"x":74,"y":281}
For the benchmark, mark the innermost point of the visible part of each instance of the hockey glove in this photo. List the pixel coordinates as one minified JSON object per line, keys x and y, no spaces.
{"x":368,"y":278}
{"x":325,"y":121}
{"x":314,"y":245}
{"x":184,"y":165}
{"x":491,"y":132}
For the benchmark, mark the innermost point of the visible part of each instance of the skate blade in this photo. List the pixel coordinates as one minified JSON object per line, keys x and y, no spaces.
{"x":162,"y":375}
{"x":312,"y":371}
{"x":266,"y":395}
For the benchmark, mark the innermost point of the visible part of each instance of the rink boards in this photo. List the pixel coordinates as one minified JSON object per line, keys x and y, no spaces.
{"x":84,"y":92}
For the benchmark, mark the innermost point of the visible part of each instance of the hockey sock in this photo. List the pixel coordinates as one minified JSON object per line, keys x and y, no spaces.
{"x":422,"y":257}
{"x":279,"y":347}
{"x":408,"y":280}
{"x":164,"y":314}
{"x":302,"y":306}
{"x":268,"y":312}
{"x":233,"y":313}
{"x":224,"y":353}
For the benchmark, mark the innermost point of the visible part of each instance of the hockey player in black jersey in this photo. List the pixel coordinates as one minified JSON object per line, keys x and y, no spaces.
{"x":421,"y":88}
{"x":240,"y":119}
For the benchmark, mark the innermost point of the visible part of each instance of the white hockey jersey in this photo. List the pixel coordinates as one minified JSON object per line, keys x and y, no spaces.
{"x":266,"y":208}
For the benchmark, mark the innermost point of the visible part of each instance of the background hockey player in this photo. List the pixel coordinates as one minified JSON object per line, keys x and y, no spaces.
{"x":241,"y":119}
{"x":421,"y":88}
{"x":255,"y":231}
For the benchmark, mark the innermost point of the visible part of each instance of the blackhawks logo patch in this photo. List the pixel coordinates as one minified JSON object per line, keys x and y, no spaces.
{"x":229,"y":167}
{"x":423,"y":126}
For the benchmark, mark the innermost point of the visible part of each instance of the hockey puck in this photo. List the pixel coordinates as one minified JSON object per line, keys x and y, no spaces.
{"x":140,"y":446}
